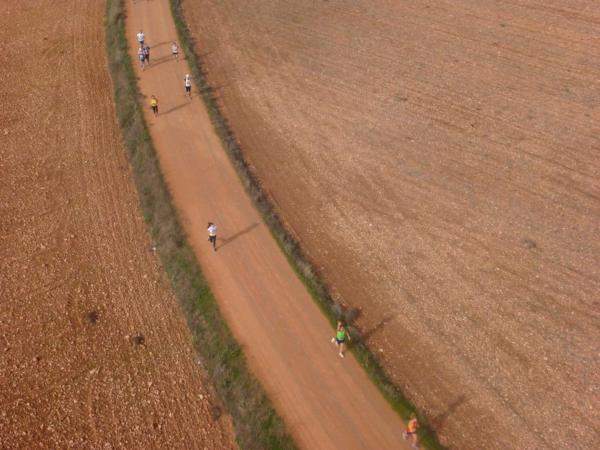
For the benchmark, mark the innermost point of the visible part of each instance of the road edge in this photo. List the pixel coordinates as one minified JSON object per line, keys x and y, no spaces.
{"x":290,"y":246}
{"x":256,"y":423}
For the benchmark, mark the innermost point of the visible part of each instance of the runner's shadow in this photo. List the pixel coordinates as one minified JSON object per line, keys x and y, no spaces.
{"x":438,"y":421}
{"x":175,"y":108}
{"x":214,"y":91}
{"x":158,"y":61}
{"x":233,"y":237}
{"x":369,"y":333}
{"x":205,"y":54}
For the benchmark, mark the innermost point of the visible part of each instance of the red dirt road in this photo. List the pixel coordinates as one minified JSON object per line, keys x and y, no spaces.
{"x":439,"y":162}
{"x":78,"y":278}
{"x":327,"y":402}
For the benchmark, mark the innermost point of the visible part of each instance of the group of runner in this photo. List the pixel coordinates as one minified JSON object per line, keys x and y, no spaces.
{"x":143,"y":50}
{"x":144,"y":58}
{"x":341,"y":333}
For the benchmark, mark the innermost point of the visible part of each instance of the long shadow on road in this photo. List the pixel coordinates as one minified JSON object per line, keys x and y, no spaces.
{"x":233,"y":237}
{"x":175,"y":108}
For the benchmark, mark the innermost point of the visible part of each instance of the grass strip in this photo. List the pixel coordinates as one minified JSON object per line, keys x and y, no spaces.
{"x":257,"y":425}
{"x":291,"y":248}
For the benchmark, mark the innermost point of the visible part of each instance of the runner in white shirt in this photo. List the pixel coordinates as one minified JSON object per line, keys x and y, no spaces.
{"x":175,"y":50}
{"x":146,"y":50}
{"x":212,"y":235}
{"x":187,"y":82}
{"x":140,"y":38}
{"x":141,"y":57}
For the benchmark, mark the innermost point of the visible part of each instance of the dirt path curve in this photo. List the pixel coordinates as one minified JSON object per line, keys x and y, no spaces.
{"x":327,"y":402}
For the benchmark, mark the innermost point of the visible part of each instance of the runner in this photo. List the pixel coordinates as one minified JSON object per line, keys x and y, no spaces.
{"x":175,"y":50}
{"x":154,"y":105}
{"x":212,"y":235}
{"x":140,"y":38}
{"x":187,"y":82}
{"x":141,"y":57}
{"x":411,"y":431}
{"x":147,"y":54}
{"x":340,"y":338}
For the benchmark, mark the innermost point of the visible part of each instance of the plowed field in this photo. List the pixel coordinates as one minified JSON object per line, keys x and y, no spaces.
{"x":94,"y":351}
{"x":439,"y":162}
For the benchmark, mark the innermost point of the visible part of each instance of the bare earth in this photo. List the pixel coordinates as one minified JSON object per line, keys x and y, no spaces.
{"x":94,"y":350}
{"x":327,"y":403}
{"x":439,"y":162}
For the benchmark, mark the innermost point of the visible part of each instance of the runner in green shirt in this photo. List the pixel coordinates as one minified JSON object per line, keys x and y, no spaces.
{"x":340,"y":338}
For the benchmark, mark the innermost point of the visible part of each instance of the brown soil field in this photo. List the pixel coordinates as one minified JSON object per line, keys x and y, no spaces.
{"x":95,"y":352}
{"x":439,"y":163}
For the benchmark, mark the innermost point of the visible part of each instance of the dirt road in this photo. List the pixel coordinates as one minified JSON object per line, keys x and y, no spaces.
{"x":327,"y":402}
{"x":438,"y":161}
{"x":94,"y":350}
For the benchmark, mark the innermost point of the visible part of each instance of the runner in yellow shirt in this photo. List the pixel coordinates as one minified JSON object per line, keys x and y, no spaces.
{"x":154,"y":105}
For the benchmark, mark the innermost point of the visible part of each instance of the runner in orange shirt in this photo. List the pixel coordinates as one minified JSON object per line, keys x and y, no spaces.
{"x":411,"y":431}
